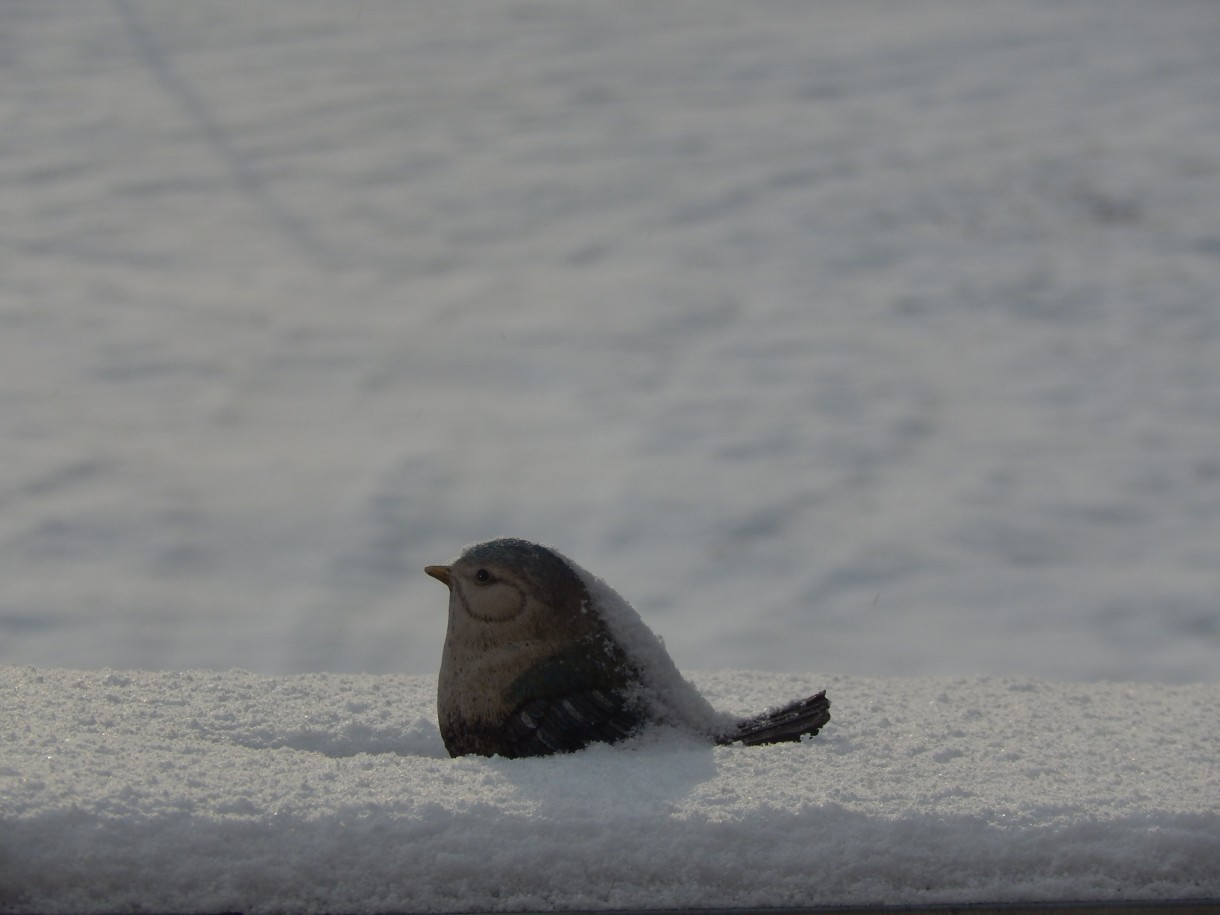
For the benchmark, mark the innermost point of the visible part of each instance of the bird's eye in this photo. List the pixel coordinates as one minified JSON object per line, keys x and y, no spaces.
{"x":482,"y":577}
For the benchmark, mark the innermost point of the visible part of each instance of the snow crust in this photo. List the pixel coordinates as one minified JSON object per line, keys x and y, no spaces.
{"x":228,"y":791}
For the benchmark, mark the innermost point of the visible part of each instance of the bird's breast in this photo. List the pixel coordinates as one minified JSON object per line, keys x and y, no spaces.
{"x":475,"y":680}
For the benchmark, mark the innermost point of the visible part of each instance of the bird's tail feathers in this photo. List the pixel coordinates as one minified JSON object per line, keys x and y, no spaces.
{"x":788,"y":722}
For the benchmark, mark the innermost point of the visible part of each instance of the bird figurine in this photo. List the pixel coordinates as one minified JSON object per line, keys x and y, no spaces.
{"x":541,"y":657}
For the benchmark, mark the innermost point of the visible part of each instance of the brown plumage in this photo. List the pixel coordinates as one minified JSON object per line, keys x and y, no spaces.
{"x":540,"y":658}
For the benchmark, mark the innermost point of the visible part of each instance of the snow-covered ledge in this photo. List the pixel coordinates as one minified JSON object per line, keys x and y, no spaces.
{"x":227,"y":791}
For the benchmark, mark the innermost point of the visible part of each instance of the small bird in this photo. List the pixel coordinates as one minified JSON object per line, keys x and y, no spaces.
{"x":541,"y":657}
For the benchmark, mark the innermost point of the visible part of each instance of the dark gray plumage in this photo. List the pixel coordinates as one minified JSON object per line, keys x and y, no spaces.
{"x":540,"y":657}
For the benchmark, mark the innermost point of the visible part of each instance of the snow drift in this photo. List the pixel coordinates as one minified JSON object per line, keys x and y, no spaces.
{"x":227,"y":791}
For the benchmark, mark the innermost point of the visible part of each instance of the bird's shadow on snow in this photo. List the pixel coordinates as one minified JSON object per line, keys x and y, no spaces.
{"x":420,"y":738}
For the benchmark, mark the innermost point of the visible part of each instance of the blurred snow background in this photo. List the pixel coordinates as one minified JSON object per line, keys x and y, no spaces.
{"x":871,"y":338}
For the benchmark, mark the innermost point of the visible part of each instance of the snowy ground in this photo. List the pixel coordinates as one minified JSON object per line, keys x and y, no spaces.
{"x":878,"y":338}
{"x":209,"y":791}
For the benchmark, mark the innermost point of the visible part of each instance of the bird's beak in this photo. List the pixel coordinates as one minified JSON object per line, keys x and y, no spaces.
{"x":440,"y":573}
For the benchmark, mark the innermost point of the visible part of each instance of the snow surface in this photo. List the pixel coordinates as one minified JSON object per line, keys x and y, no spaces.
{"x":881,"y":338}
{"x":230,"y":791}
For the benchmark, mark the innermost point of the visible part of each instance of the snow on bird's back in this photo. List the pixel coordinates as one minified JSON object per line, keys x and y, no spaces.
{"x":666,"y":693}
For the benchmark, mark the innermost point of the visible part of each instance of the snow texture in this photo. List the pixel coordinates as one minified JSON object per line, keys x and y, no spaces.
{"x":875,"y":337}
{"x":230,"y":791}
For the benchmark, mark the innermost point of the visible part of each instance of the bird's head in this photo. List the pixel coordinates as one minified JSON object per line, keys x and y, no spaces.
{"x":511,"y":580}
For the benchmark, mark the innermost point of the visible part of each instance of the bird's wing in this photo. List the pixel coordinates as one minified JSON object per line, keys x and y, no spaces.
{"x":561,"y":725}
{"x":571,"y":700}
